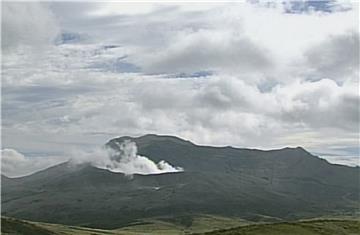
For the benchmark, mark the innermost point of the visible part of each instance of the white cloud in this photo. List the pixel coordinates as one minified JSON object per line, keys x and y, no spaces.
{"x":320,"y":104}
{"x":337,"y":57}
{"x":343,"y":160}
{"x":212,"y":110}
{"x":208,"y":50}
{"x":27,"y":24}
{"x":277,"y":82}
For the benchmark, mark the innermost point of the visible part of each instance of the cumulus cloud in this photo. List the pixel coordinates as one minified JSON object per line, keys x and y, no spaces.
{"x":80,"y":107}
{"x":208,"y":50}
{"x":337,"y":57}
{"x":320,"y":104}
{"x":274,"y":83}
{"x":30,"y":24}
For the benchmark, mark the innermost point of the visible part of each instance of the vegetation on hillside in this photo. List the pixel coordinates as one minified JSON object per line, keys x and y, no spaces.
{"x":316,"y":227}
{"x":201,"y":225}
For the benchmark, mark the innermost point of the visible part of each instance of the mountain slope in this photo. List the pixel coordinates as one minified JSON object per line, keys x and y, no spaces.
{"x":288,"y":183}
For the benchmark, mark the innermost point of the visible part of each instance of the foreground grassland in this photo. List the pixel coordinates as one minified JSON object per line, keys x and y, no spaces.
{"x":201,"y":225}
{"x":315,"y":227}
{"x":178,"y":226}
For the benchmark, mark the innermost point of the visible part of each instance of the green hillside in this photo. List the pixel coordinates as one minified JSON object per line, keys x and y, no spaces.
{"x":315,"y":227}
{"x":201,"y":225}
{"x":158,"y":226}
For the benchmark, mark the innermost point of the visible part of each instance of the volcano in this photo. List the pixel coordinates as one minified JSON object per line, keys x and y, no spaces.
{"x":283,"y":184}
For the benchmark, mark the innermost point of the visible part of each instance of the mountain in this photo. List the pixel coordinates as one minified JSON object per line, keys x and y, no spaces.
{"x":251,"y":184}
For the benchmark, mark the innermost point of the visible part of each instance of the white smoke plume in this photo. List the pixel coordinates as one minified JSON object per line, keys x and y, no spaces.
{"x":125,"y":160}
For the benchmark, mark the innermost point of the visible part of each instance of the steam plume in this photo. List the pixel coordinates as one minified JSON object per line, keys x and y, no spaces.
{"x":125,"y":160}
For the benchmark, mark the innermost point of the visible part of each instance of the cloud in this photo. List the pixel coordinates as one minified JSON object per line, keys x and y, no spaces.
{"x":343,"y":160}
{"x":269,"y":83}
{"x":306,"y":7}
{"x":217,"y":109}
{"x":15,"y":164}
{"x":337,"y":57}
{"x":342,"y":155}
{"x":192,"y":38}
{"x":320,"y":104}
{"x":29,"y":24}
{"x":208,"y":50}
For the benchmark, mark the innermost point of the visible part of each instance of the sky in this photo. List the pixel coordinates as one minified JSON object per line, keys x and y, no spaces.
{"x":255,"y":74}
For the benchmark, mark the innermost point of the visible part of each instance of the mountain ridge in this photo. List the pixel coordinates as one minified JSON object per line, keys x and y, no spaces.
{"x":160,"y":138}
{"x":177,"y":139}
{"x":285,"y":184}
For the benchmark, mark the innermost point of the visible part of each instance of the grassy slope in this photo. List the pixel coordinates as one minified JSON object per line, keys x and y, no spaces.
{"x":15,"y":226}
{"x":313,"y":227}
{"x":200,"y":225}
{"x":20,"y":227}
{"x":184,"y":225}
{"x":161,"y":226}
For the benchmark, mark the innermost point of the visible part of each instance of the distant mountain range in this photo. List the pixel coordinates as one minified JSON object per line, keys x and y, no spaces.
{"x":274,"y":185}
